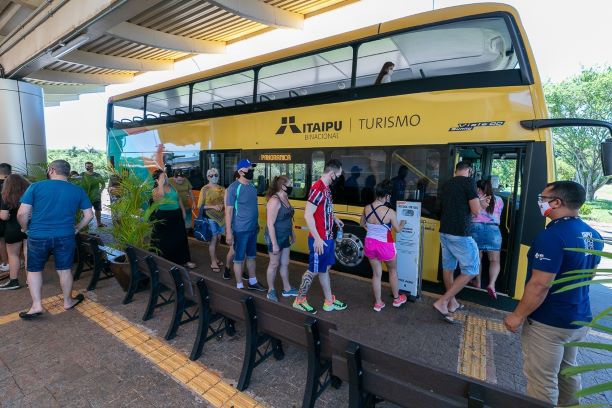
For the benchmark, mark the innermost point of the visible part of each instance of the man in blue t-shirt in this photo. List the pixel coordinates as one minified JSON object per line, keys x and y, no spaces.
{"x":47,"y":214}
{"x":550,"y":316}
{"x":241,"y":225}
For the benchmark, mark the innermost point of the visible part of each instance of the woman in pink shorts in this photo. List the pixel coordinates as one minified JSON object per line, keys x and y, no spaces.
{"x":379,"y":220}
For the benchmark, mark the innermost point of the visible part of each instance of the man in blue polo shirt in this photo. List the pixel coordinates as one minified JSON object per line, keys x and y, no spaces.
{"x":550,"y":315}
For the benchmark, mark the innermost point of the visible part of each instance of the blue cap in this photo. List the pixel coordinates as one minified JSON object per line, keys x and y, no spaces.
{"x":245,"y":164}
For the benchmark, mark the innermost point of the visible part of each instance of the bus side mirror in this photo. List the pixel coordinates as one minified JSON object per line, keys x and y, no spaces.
{"x":606,"y":157}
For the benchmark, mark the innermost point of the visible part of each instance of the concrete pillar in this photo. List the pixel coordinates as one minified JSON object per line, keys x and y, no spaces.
{"x":22,"y":125}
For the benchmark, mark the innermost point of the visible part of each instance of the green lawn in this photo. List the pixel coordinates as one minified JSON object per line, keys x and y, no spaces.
{"x":601,"y":208}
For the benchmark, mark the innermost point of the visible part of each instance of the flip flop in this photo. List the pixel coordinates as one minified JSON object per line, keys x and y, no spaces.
{"x":79,"y":298}
{"x":29,"y":316}
{"x":460,"y":307}
{"x":492,"y":293}
{"x":217,"y":269}
{"x":446,"y":317}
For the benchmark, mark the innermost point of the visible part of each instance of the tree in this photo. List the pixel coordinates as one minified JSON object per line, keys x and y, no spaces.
{"x":588,"y":96}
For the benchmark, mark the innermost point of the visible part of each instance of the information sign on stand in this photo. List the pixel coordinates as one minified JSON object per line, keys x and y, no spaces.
{"x":408,"y":245}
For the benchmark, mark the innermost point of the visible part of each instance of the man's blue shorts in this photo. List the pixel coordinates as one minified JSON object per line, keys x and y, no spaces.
{"x":39,"y":250}
{"x":245,"y":245}
{"x":319,"y":263}
{"x":462,"y":250}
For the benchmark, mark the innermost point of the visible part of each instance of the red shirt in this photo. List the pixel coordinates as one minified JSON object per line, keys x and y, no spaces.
{"x":320,"y":195}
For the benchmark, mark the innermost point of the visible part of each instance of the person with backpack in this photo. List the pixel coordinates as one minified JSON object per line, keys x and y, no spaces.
{"x":279,"y":234}
{"x":241,"y":216}
{"x":379,"y":220}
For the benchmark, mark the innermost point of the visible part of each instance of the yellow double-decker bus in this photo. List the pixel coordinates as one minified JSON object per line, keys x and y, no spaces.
{"x":464,"y":87}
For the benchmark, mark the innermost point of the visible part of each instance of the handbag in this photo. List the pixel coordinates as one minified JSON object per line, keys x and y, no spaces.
{"x":201,"y":227}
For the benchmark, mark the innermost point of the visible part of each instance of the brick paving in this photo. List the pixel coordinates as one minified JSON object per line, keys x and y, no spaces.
{"x":68,"y":360}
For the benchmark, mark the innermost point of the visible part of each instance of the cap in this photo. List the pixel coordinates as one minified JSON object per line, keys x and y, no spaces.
{"x":245,"y":164}
{"x":356,"y":169}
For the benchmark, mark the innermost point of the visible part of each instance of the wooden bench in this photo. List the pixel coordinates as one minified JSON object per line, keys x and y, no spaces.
{"x":91,"y":258}
{"x":269,"y":324}
{"x":143,"y":265}
{"x":374,"y":374}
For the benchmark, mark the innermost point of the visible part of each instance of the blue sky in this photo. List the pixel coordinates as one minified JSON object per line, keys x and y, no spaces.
{"x":565,"y":35}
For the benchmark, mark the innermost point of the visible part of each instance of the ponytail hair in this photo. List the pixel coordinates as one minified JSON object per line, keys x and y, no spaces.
{"x":486,"y":187}
{"x":275,"y":185}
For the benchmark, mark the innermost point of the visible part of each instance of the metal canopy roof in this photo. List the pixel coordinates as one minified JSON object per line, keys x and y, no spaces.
{"x":70,"y":47}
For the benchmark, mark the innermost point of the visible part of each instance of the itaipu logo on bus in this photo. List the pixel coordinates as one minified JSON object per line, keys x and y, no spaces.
{"x":311,"y":130}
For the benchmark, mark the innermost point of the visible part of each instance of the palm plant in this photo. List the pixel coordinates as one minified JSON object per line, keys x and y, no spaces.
{"x":600,"y":321}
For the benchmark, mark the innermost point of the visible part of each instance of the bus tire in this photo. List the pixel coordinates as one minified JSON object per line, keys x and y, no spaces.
{"x":350,"y":256}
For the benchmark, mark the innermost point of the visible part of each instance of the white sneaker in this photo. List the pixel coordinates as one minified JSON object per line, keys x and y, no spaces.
{"x":4,"y":267}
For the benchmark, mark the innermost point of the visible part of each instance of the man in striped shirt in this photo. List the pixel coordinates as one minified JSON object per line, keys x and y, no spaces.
{"x":320,"y":218}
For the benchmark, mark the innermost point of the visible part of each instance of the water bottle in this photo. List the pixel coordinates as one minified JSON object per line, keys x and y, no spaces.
{"x":339,"y":235}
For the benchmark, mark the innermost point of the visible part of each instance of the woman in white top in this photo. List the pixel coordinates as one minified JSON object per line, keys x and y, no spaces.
{"x":379,"y":220}
{"x":384,"y":76}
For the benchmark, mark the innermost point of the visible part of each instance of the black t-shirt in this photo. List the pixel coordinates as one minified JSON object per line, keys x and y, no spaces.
{"x":456,"y":214}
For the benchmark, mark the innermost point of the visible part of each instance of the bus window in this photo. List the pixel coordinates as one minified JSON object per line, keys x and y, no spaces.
{"x":168,"y":101}
{"x":128,"y":110}
{"x":223,"y":92}
{"x":318,"y":162}
{"x":362,"y":170}
{"x":416,"y":176}
{"x":265,"y":173}
{"x":476,"y":45}
{"x":326,"y":71}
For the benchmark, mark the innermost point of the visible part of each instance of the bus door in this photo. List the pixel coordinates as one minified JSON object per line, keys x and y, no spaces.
{"x":503,"y":165}
{"x":224,"y":161}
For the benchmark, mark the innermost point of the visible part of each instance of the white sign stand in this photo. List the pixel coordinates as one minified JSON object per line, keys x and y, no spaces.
{"x":408,"y":245}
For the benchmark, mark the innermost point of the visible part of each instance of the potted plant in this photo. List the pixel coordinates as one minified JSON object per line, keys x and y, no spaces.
{"x":132,"y":225}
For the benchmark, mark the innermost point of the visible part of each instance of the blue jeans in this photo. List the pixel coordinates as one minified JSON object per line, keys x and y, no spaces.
{"x":39,"y":250}
{"x":462,"y":250}
{"x":245,"y":245}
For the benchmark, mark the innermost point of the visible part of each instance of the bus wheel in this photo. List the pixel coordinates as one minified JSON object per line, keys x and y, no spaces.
{"x":349,"y":252}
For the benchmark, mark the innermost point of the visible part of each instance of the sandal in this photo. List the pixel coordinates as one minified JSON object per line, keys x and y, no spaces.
{"x":217,"y":269}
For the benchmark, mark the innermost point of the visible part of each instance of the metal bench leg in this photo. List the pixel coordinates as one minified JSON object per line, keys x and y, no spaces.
{"x":154,"y":294}
{"x":134,"y":276}
{"x":250,"y":351}
{"x":230,"y":327}
{"x":358,"y":398}
{"x":179,"y":304}
{"x":97,"y":268}
{"x":314,"y":364}
{"x":81,"y":260}
{"x":203,"y":321}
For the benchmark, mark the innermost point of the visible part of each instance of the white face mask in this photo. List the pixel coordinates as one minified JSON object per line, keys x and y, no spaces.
{"x":214,"y":179}
{"x":390,"y":71}
{"x":545,"y":208}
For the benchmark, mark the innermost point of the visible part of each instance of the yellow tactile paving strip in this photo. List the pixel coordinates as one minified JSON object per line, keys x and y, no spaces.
{"x":192,"y":374}
{"x":473,"y":349}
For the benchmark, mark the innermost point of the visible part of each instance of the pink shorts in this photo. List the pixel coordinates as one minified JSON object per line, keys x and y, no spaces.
{"x":383,"y":251}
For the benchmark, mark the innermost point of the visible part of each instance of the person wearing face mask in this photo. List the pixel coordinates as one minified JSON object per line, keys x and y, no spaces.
{"x":241,"y":223}
{"x":211,"y":200}
{"x":384,"y":76}
{"x":459,"y":202}
{"x":550,"y":316}
{"x":169,"y":235}
{"x":379,"y":220}
{"x":320,"y":218}
{"x":279,"y":234}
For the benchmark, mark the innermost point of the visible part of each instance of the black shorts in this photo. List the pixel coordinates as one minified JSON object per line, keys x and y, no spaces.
{"x":12,"y":232}
{"x":97,"y":205}
{"x":2,"y":228}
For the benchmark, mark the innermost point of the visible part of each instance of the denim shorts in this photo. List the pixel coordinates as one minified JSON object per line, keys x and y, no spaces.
{"x":245,"y":245}
{"x":319,"y":263}
{"x":462,"y":251}
{"x":283,"y":242}
{"x":215,"y":228}
{"x":487,"y":236}
{"x":39,"y":250}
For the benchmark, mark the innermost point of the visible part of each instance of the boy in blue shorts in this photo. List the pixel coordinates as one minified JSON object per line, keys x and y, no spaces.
{"x":320,"y":218}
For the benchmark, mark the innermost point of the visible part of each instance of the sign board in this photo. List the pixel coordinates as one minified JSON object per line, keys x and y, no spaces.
{"x":408,"y":245}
